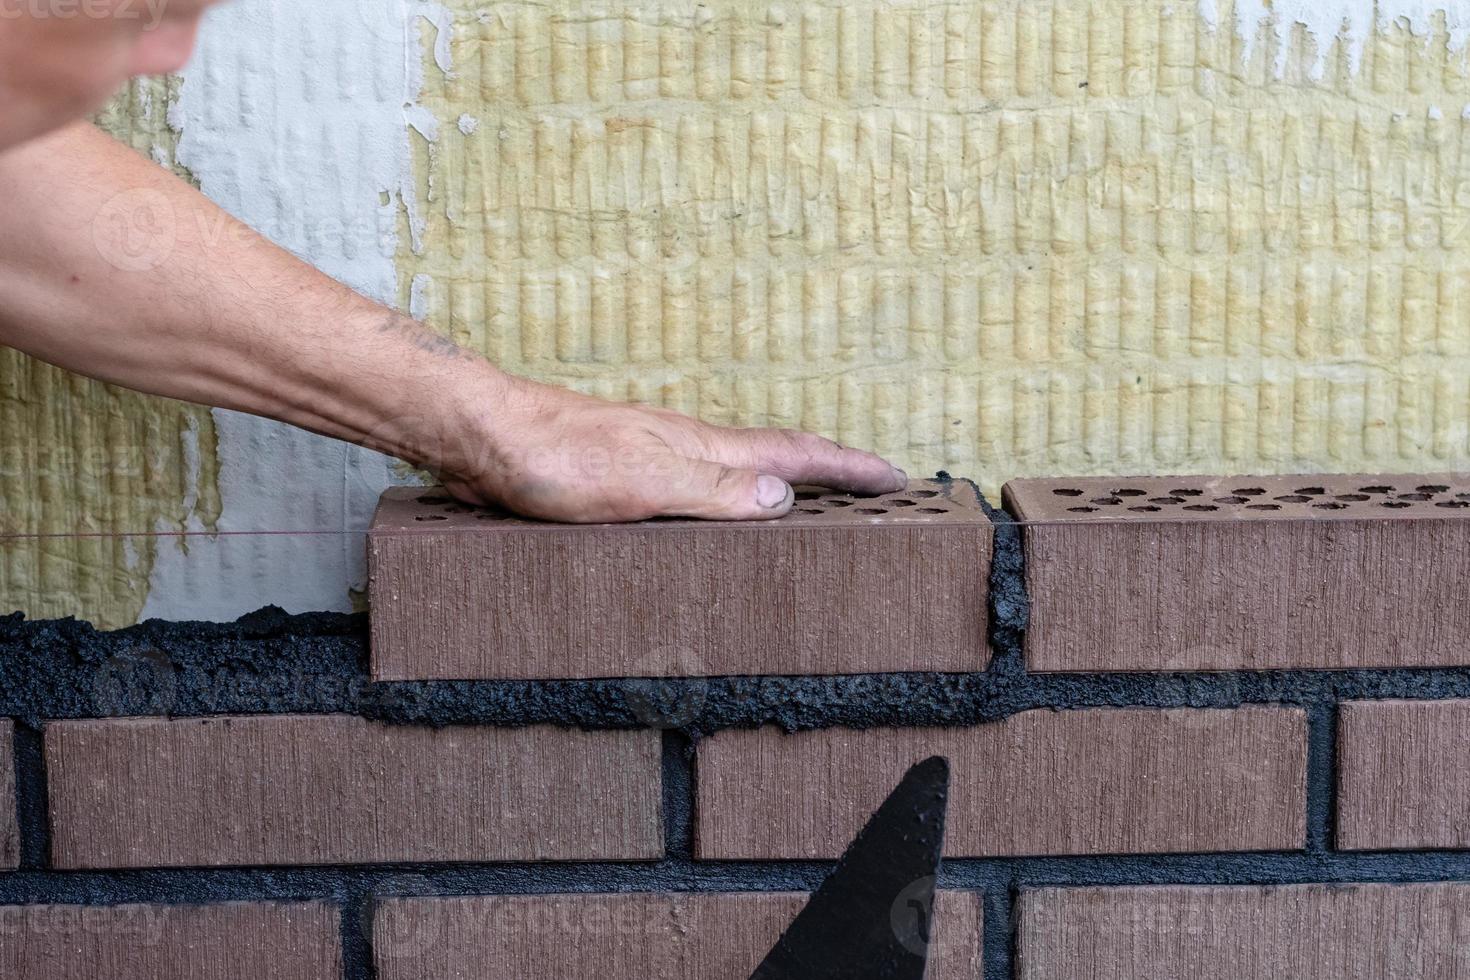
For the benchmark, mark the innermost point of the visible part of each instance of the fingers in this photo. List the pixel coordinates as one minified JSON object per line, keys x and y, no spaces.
{"x":804,"y":458}
{"x":714,"y":491}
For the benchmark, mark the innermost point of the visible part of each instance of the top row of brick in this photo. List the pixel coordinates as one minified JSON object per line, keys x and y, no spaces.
{"x":1122,"y":574}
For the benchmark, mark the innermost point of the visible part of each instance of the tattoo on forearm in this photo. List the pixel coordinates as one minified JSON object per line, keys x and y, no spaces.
{"x":425,"y":339}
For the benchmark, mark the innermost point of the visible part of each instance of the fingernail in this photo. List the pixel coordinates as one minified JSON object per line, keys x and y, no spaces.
{"x":901,"y":477}
{"x":771,"y":491}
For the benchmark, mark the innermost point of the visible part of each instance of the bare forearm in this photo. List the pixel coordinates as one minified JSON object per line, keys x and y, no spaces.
{"x":111,"y":267}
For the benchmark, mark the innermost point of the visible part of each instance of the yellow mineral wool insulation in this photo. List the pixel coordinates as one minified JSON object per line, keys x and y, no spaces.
{"x":1002,"y":237}
{"x":138,"y":116}
{"x":81,"y":462}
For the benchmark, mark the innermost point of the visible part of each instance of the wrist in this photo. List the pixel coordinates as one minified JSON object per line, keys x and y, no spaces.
{"x":423,"y":398}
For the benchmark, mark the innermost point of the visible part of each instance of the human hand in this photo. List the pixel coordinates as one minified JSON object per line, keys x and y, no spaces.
{"x":559,"y":455}
{"x":225,"y":318}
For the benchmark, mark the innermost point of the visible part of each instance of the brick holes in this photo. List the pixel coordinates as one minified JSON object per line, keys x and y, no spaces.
{"x":810,"y":502}
{"x":817,"y":503}
{"x":1284,"y":500}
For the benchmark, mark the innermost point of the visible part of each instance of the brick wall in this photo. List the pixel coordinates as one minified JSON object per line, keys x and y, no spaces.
{"x":1207,"y":727}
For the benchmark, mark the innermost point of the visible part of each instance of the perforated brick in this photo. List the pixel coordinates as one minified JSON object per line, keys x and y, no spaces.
{"x":841,"y":585}
{"x":1402,"y":778}
{"x":329,"y":789}
{"x":1222,"y":573}
{"x":612,"y":937}
{"x":1302,"y":932}
{"x":1097,"y":781}
{"x":229,"y":941}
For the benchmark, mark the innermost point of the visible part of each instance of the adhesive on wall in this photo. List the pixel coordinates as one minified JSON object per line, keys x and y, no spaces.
{"x":78,"y":457}
{"x":1000,"y":238}
{"x":292,"y":119}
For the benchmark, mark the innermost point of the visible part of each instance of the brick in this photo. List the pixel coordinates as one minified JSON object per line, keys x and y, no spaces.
{"x":1345,"y":571}
{"x":842,"y":585}
{"x":1402,"y":780}
{"x":9,"y":828}
{"x":230,"y":941}
{"x":1098,"y":781}
{"x":596,"y":937}
{"x":1305,"y":932}
{"x":335,"y":789}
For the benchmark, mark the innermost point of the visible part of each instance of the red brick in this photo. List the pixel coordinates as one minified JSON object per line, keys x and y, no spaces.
{"x":1105,"y":781}
{"x":1327,"y":580}
{"x":611,"y":937}
{"x":842,"y":585}
{"x":233,"y":941}
{"x":333,"y":789}
{"x":1402,"y":779}
{"x":9,"y":831}
{"x":1301,"y":932}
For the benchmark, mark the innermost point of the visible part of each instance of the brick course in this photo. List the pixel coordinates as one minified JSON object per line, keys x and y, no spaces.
{"x":619,"y":937}
{"x":842,"y":585}
{"x":1402,"y":775}
{"x":333,"y":789}
{"x":1041,"y":782}
{"x":1345,"y":571}
{"x":1302,"y":932}
{"x":229,"y":941}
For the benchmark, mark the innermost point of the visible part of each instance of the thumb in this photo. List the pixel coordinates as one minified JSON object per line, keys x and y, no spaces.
{"x":713,"y":491}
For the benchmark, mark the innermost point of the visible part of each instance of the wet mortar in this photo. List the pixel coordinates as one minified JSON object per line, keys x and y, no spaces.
{"x":270,"y":662}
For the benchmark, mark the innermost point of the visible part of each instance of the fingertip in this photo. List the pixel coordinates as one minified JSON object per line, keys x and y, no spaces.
{"x":872,"y":474}
{"x":773,"y":493}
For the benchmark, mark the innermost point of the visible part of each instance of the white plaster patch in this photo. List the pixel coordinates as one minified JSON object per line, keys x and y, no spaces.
{"x":292,"y":119}
{"x":423,"y":122}
{"x":418,"y":295}
{"x":1349,"y":21}
{"x":443,"y":20}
